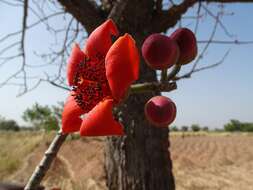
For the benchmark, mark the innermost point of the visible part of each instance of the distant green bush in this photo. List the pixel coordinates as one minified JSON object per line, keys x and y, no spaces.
{"x":184,"y":128}
{"x":43,"y":117}
{"x":205,"y":128}
{"x":195,"y":127}
{"x":8,"y":125}
{"x":174,"y":128}
{"x":236,"y":125}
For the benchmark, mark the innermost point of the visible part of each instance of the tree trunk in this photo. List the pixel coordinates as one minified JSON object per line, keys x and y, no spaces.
{"x":141,"y":159}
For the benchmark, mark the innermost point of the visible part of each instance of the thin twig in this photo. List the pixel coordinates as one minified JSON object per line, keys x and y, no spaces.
{"x":22,"y":47}
{"x":30,"y":26}
{"x":59,"y":86}
{"x":188,"y":75}
{"x":219,"y":21}
{"x":197,"y":18}
{"x":11,"y":4}
{"x":236,"y":42}
{"x":206,"y":46}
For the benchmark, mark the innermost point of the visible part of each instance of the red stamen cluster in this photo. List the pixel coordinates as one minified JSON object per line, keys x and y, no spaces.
{"x":90,"y":83}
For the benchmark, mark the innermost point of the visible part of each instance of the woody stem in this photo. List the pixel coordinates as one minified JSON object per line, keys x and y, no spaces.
{"x":152,"y":86}
{"x":164,"y":76}
{"x":46,"y":161}
{"x":176,"y":68}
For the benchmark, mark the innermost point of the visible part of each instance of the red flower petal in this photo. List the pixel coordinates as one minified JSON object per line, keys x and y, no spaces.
{"x":100,"y":122}
{"x":100,"y":40}
{"x":71,"y":120}
{"x":76,"y":57}
{"x":122,"y":65}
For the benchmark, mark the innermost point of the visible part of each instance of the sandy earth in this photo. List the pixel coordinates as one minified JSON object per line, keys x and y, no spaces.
{"x":200,"y":163}
{"x":213,"y":162}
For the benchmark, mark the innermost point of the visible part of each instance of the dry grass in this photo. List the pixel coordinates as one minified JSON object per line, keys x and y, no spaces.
{"x":16,"y":148}
{"x":201,"y":161}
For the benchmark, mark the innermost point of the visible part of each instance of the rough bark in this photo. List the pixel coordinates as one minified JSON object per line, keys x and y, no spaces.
{"x":140,"y":160}
{"x":165,"y":19}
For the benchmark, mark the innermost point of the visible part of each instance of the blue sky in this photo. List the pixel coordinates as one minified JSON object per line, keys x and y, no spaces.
{"x":211,"y":97}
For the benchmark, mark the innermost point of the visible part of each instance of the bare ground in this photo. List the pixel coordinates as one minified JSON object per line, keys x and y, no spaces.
{"x":213,"y":162}
{"x":204,"y":162}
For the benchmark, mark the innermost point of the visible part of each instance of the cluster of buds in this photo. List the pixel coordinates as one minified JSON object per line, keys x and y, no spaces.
{"x":160,"y":53}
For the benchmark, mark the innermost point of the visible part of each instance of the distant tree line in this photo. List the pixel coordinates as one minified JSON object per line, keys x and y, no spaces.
{"x":37,"y":117}
{"x":232,"y":126}
{"x":48,"y":118}
{"x":193,"y":127}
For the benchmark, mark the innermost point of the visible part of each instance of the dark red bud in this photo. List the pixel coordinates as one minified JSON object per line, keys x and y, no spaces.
{"x":160,"y":111}
{"x":160,"y":52}
{"x":187,"y":44}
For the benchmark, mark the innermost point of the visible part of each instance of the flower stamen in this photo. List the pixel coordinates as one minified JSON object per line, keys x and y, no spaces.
{"x":90,"y":83}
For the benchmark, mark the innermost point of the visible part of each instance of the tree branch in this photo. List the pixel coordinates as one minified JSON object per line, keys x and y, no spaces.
{"x":169,"y":18}
{"x":30,"y":26}
{"x":236,"y":42}
{"x":86,"y":12}
{"x":166,"y":19}
{"x":152,"y":86}
{"x":188,"y":75}
{"x":117,"y":10}
{"x":159,"y":5}
{"x":22,"y":42}
{"x":209,"y":12}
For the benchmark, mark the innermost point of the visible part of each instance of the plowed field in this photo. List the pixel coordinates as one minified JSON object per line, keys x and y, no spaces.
{"x":201,"y":162}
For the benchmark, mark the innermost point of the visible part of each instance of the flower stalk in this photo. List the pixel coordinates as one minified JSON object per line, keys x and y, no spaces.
{"x":176,"y":68}
{"x":164,"y":76}
{"x":46,"y":161}
{"x":152,"y":87}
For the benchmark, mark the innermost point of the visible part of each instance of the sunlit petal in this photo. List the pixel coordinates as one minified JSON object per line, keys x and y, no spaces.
{"x":100,"y":40}
{"x":122,"y":65}
{"x":71,"y":120}
{"x":100,"y":122}
{"x":76,"y":57}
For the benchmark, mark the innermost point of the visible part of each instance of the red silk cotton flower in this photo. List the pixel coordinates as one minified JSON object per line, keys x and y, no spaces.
{"x":100,"y":76}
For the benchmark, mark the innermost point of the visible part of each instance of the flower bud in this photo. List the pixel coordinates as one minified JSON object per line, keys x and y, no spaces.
{"x":160,"y":111}
{"x":187,"y":44}
{"x":160,"y":52}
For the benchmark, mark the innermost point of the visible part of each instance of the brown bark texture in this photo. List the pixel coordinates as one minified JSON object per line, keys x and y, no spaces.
{"x":140,"y":160}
